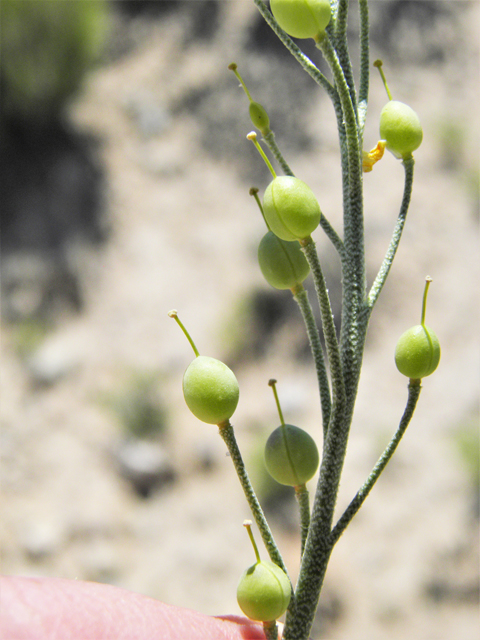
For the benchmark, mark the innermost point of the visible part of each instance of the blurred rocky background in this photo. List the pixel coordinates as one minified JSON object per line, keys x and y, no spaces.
{"x":124,"y":187}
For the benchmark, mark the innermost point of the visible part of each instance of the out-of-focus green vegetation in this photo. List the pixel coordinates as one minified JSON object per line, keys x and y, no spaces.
{"x":466,"y":437}
{"x":28,"y":335}
{"x":47,"y":46}
{"x":138,"y":406}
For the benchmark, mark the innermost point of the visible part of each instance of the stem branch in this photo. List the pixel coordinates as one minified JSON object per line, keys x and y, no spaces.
{"x":328,"y":324}
{"x":303,"y":499}
{"x":396,"y":236}
{"x":301,"y":298}
{"x":297,"y":53}
{"x":277,"y":154}
{"x":414,"y":389}
{"x":228,"y":436}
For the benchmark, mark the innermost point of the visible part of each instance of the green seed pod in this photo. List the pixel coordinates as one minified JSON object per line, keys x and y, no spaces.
{"x":417,"y":353}
{"x":210,"y":389}
{"x":264,"y":591}
{"x":282,"y":263}
{"x":291,"y":209}
{"x":302,"y":18}
{"x":259,"y":117}
{"x":401,"y":129}
{"x":291,"y":455}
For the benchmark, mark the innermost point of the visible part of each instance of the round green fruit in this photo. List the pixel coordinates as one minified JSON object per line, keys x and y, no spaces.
{"x":210,"y":389}
{"x":264,"y":591}
{"x":291,"y":209}
{"x":282,"y":263}
{"x":417,"y":353}
{"x":401,"y":129}
{"x":302,"y":18}
{"x":291,"y":455}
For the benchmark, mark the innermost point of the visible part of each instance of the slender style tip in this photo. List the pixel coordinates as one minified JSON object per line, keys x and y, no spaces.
{"x":173,"y":313}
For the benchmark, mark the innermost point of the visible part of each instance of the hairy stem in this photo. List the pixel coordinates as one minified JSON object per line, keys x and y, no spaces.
{"x":333,"y":236}
{"x":364,"y":64}
{"x":340,"y":43}
{"x":228,"y":436}
{"x":353,"y":267}
{"x":302,"y":496}
{"x":272,"y":145}
{"x":317,"y":547}
{"x":396,"y":237}
{"x":297,"y":53}
{"x":328,"y":324}
{"x":414,"y":389}
{"x":271,"y":630}
{"x":301,"y":298}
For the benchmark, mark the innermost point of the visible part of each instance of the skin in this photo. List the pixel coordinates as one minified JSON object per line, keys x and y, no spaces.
{"x":59,"y":609}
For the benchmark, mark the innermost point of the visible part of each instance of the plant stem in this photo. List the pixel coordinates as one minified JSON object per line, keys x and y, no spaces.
{"x":317,"y":547}
{"x":277,"y":154}
{"x":328,"y":324}
{"x":396,"y":237}
{"x":351,"y":131}
{"x":414,"y":389}
{"x":340,"y":43}
{"x":353,"y":267}
{"x":364,"y":64}
{"x":321,"y":80}
{"x":271,"y":630}
{"x":303,"y":499}
{"x":228,"y":436}
{"x":301,"y":298}
{"x":324,"y":223}
{"x":297,"y":53}
{"x":340,"y":30}
{"x":333,"y":236}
